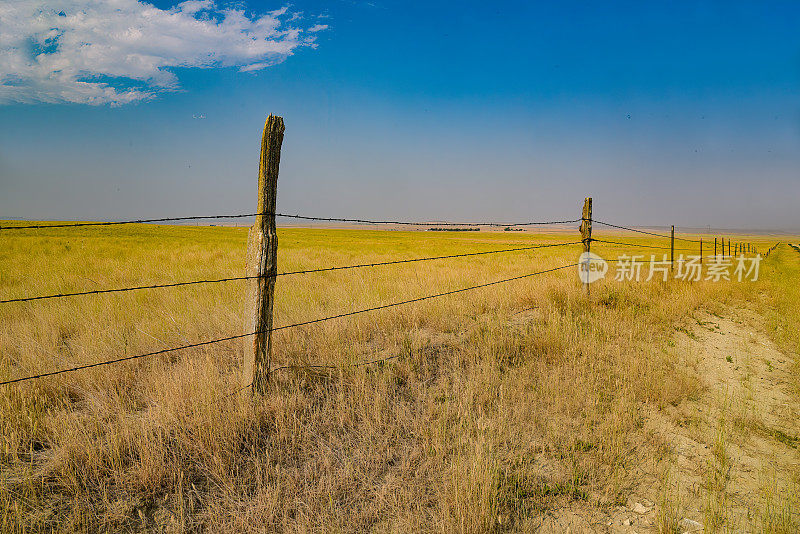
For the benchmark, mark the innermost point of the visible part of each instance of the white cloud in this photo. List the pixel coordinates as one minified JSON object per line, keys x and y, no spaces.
{"x":121,"y":51}
{"x":193,"y":6}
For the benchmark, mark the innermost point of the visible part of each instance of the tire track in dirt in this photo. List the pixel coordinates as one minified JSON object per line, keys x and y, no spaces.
{"x":735,"y":453}
{"x":731,"y":459}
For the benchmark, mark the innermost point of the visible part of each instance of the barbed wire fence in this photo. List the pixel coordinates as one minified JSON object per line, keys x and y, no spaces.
{"x":265,"y":271}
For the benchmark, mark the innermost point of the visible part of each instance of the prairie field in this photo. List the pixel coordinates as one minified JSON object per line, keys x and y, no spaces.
{"x":522,"y":406}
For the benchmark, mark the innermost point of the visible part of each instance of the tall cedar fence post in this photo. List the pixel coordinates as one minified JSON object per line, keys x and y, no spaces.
{"x":586,"y":232}
{"x":265,"y":245}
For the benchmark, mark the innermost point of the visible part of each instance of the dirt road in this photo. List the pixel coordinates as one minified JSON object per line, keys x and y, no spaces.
{"x":731,"y":459}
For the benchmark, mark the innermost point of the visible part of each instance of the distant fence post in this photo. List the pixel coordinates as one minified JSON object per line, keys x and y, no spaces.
{"x":672,"y":249}
{"x":701,"y":251}
{"x":729,"y":247}
{"x":715,"y":247}
{"x":586,"y":231}
{"x":265,"y":242}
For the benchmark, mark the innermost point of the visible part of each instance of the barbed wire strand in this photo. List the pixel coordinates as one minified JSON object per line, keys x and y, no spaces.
{"x":125,"y":358}
{"x":286,"y":215}
{"x":638,"y":245}
{"x":430,"y":223}
{"x":645,"y":232}
{"x":303,"y":323}
{"x":287,"y":273}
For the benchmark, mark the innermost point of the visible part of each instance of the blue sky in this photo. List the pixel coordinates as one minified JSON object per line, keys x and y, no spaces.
{"x":679,"y":113}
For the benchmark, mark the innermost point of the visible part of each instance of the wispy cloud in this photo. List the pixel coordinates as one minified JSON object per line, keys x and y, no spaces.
{"x":121,"y":51}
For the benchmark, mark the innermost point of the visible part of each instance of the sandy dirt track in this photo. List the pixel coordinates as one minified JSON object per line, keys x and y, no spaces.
{"x":729,"y":454}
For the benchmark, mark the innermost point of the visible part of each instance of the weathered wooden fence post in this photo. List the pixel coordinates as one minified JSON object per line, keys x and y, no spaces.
{"x":715,"y":247}
{"x":586,"y":233}
{"x":264,"y":240}
{"x":672,"y":249}
{"x":729,"y":247}
{"x":701,"y":251}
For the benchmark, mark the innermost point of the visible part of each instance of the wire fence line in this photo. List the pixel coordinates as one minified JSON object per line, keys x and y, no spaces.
{"x":284,"y":327}
{"x":638,"y":245}
{"x":655,"y":234}
{"x":645,"y":232}
{"x":773,"y":247}
{"x":347,"y":220}
{"x":322,"y":269}
{"x":342,"y":219}
{"x":266,"y":213}
{"x":287,"y":273}
{"x":285,"y":215}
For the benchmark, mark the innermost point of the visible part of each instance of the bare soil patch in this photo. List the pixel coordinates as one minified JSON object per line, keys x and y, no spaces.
{"x":731,"y":459}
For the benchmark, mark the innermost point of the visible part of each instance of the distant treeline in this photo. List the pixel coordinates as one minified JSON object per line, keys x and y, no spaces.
{"x":509,"y":229}
{"x":454,"y":229}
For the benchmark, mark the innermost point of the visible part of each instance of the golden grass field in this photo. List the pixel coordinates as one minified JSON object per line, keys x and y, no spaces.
{"x":505,"y":404}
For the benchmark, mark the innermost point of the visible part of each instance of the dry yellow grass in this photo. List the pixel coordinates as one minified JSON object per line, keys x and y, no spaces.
{"x":504,"y":402}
